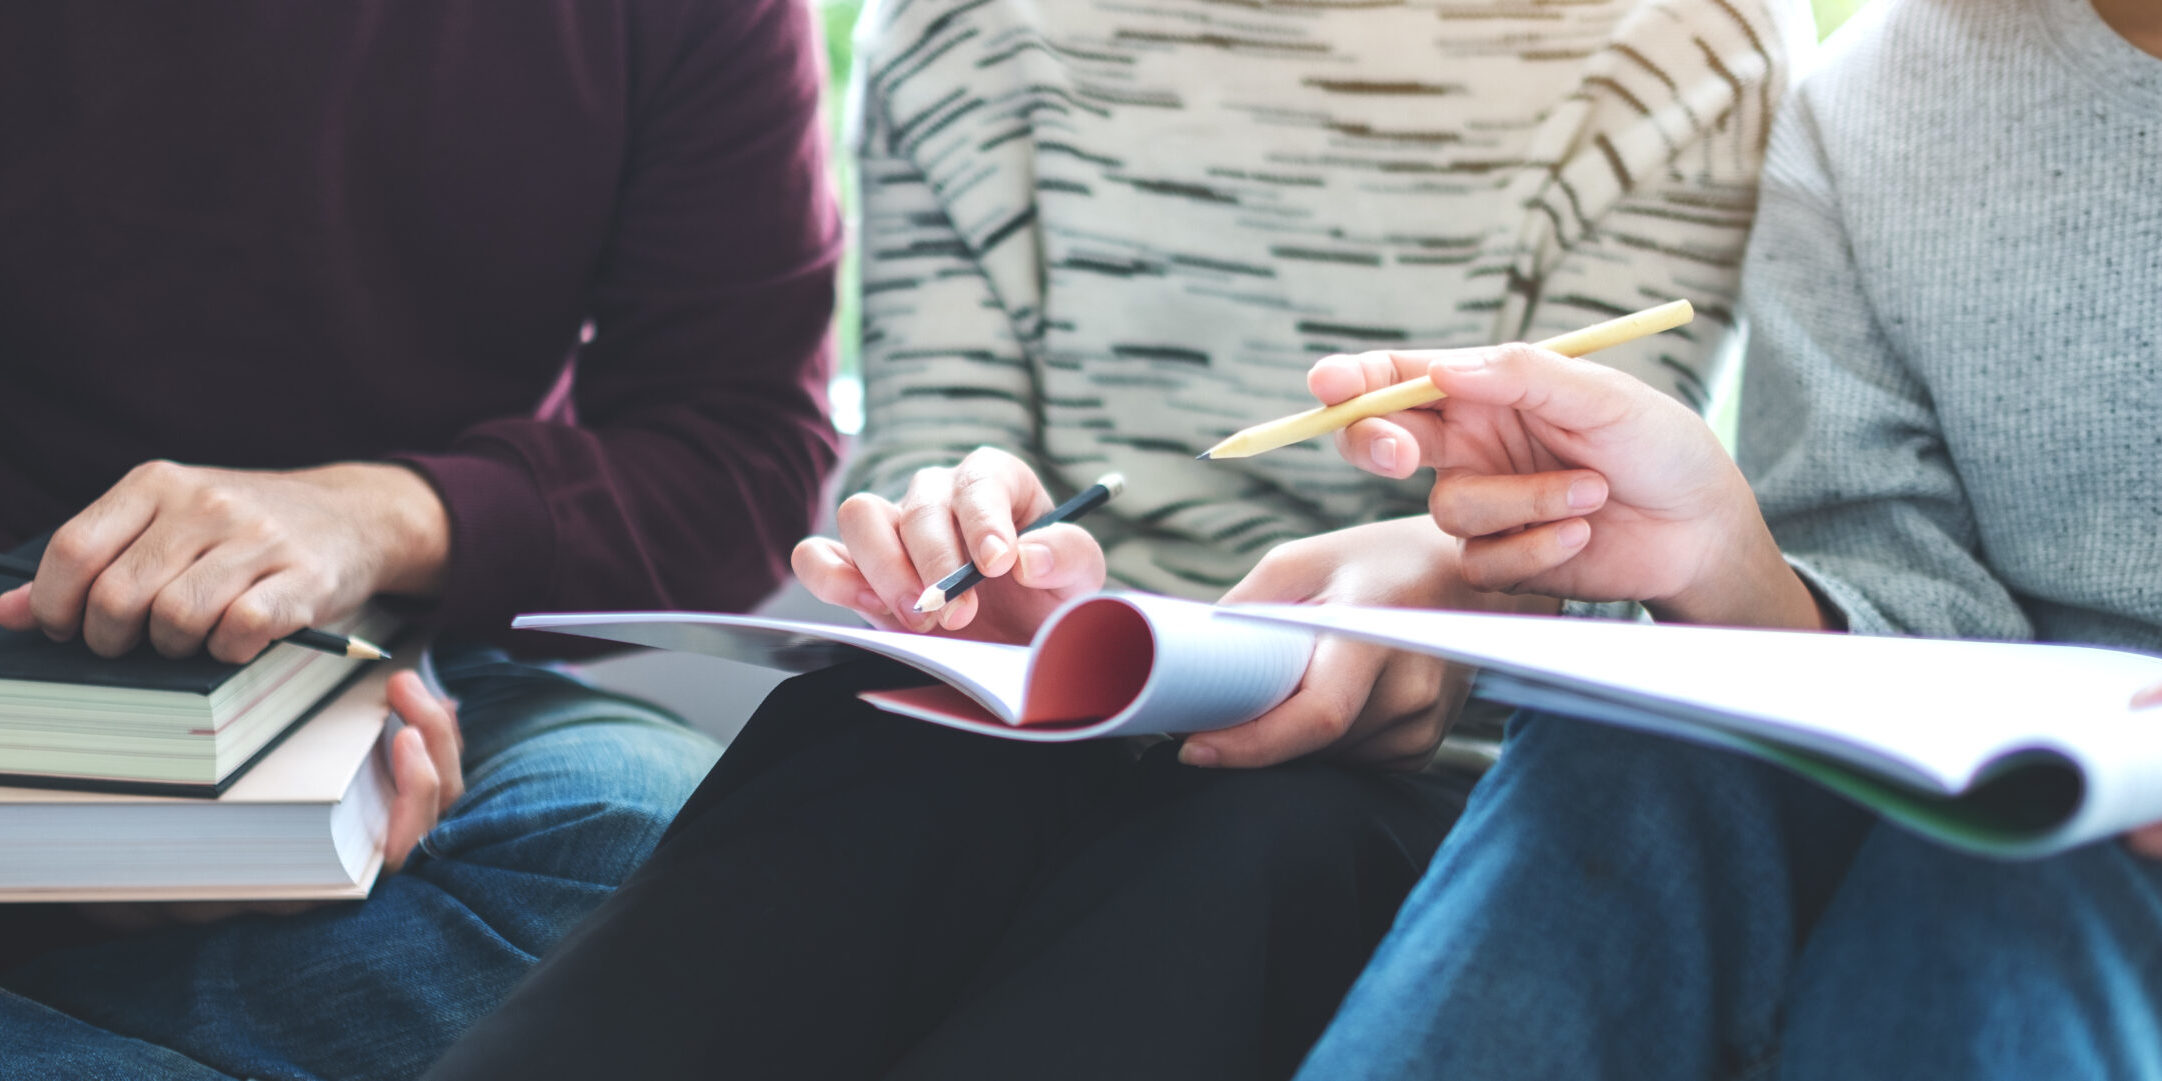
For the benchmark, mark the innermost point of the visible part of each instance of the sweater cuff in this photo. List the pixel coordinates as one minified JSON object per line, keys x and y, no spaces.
{"x":1625,"y":611}
{"x":502,"y":542}
{"x":1862,"y":616}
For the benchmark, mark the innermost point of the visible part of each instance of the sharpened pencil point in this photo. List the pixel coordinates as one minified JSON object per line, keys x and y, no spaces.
{"x":367,"y":651}
{"x":931,"y":601}
{"x":1202,"y":457}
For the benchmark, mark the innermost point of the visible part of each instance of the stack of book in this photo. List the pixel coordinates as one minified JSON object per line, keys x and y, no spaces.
{"x":148,"y":778}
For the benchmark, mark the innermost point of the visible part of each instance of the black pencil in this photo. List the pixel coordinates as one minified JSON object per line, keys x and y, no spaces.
{"x":966,"y":575}
{"x":343,"y":645}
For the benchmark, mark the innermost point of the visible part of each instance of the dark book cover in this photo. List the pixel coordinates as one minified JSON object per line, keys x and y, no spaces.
{"x":32,"y":657}
{"x":29,"y":655}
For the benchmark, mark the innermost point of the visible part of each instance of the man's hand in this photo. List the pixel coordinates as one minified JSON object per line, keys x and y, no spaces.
{"x":426,"y":768}
{"x":235,"y":559}
{"x":426,"y":759}
{"x":1570,"y":479}
{"x":1358,"y":702}
{"x":889,"y":553}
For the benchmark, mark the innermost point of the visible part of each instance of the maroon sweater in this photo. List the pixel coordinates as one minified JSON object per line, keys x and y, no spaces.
{"x":261,"y":233}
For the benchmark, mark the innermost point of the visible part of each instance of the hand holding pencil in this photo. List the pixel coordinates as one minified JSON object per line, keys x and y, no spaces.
{"x":1563,"y":477}
{"x":983,"y":518}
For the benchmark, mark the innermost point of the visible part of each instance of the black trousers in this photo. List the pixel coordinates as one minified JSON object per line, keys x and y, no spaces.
{"x":856,"y":895}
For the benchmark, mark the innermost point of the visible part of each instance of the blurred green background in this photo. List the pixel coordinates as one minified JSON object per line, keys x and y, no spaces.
{"x":840,"y":22}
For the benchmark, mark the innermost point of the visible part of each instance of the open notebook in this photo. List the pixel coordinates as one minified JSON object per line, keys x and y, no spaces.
{"x":1108,"y":665}
{"x":2010,"y":749}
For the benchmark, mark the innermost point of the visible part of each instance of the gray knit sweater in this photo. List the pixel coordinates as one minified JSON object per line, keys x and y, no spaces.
{"x":1952,"y":407}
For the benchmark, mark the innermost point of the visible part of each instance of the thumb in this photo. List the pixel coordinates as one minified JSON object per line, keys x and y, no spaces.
{"x":1063,"y":557}
{"x":413,"y":807}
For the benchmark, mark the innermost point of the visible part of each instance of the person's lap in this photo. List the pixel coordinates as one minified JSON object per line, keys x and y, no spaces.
{"x":1620,"y":905}
{"x":568,"y":788}
{"x":855,"y":895}
{"x":1930,"y":964}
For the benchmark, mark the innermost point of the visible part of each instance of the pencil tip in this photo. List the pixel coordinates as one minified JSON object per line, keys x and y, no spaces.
{"x":931,"y":601}
{"x":1203,"y":456}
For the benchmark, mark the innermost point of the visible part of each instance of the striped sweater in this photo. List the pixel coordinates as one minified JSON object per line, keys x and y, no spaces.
{"x":1104,"y":234}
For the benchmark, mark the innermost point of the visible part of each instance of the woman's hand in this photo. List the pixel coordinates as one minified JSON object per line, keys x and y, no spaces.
{"x":1358,"y":702}
{"x":888,"y":553}
{"x":1570,"y":479}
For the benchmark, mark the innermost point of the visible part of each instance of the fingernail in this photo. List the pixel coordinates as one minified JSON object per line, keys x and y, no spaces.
{"x":994,"y":550}
{"x":1199,"y":754}
{"x":1573,"y":533}
{"x":1385,"y":454}
{"x":1036,"y":561}
{"x":1586,"y":493}
{"x":1469,"y":361}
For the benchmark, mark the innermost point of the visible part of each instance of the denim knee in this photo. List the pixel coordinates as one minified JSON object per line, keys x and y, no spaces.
{"x":1932,"y":963}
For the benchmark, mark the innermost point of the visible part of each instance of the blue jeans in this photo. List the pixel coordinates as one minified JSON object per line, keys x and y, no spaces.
{"x":568,"y":789}
{"x":1615,"y":905}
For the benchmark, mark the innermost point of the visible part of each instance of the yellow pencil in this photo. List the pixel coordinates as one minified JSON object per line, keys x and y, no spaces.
{"x":1412,"y":393}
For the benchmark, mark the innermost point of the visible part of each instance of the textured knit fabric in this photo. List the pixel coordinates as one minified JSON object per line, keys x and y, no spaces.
{"x":266,"y":235}
{"x":1952,"y":409}
{"x":1105,"y":235}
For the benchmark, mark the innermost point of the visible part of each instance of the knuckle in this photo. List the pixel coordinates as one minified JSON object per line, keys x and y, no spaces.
{"x":984,"y":462}
{"x":70,"y":545}
{"x":926,"y":512}
{"x":157,"y":472}
{"x":1482,"y":575}
{"x":1514,"y":354}
{"x":181,"y":609}
{"x":264,"y":531}
{"x":1333,"y":716}
{"x":215,"y":501}
{"x":249,"y":617}
{"x":1444,"y":505}
{"x":112,"y":598}
{"x":1418,"y":686}
{"x":931,"y":483}
{"x":861,"y":509}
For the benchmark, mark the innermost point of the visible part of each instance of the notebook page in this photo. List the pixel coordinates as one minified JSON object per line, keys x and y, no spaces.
{"x":988,"y":672}
{"x":1926,"y":709}
{"x":1208,"y":672}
